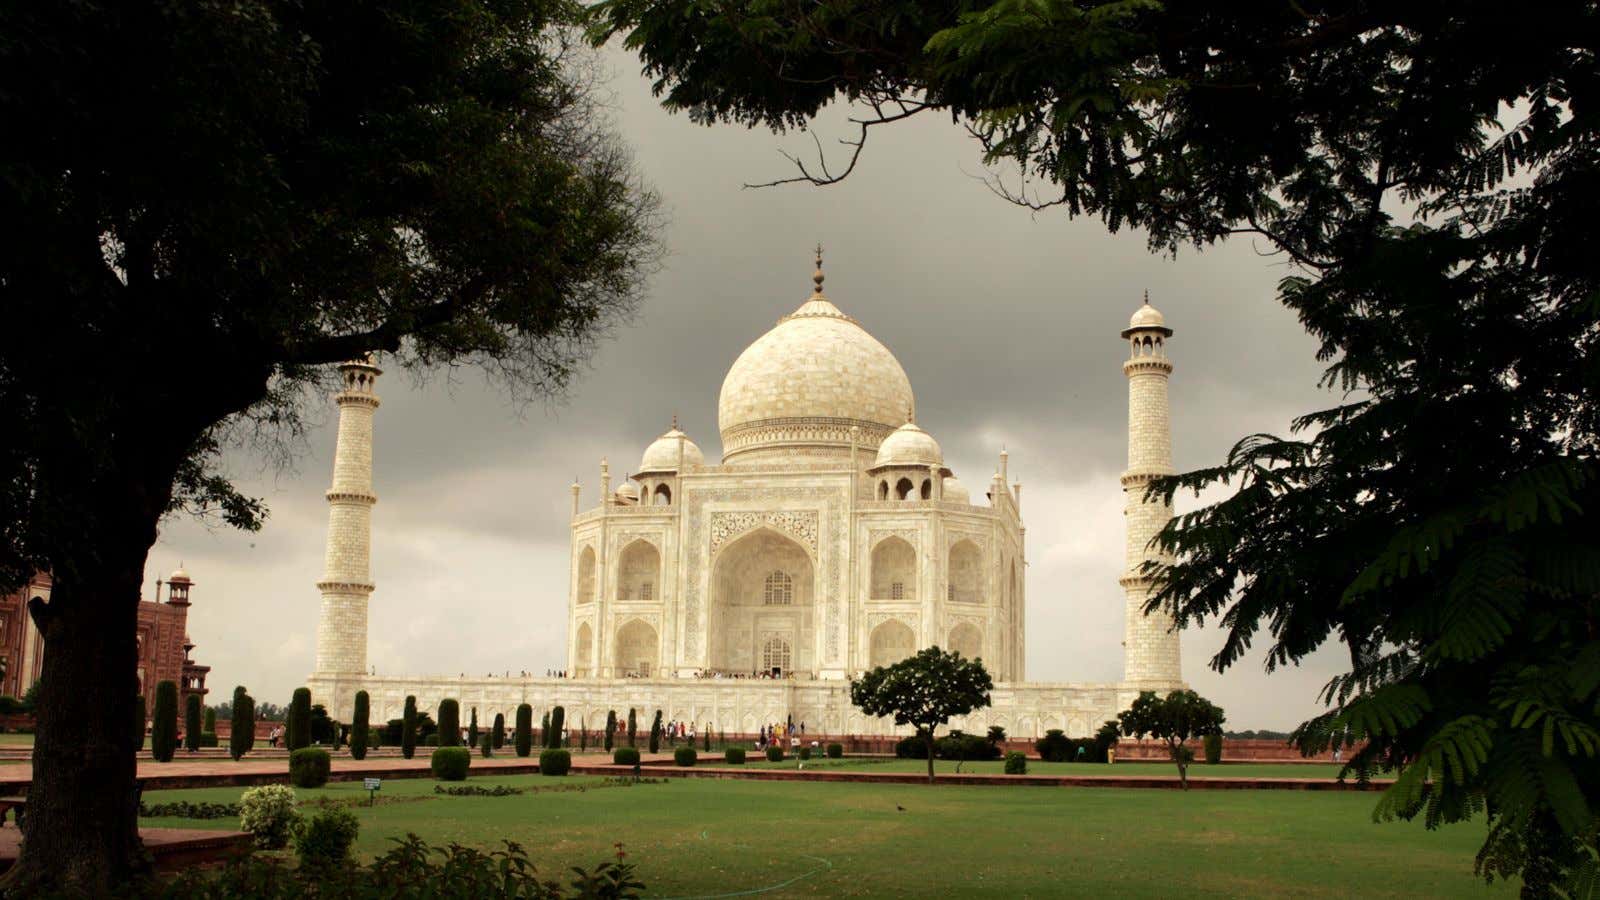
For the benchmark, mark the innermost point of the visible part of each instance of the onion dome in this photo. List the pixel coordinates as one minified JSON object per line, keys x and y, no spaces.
{"x":662,"y":454}
{"x":955,"y":491}
{"x":627,"y":490}
{"x":1147,"y":318}
{"x":179,"y":575}
{"x":808,"y":381}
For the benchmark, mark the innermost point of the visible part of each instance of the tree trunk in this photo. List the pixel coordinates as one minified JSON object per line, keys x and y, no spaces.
{"x":81,"y":828}
{"x":928,"y":738}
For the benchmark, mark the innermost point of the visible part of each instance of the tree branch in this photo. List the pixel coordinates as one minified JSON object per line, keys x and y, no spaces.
{"x":386,"y":336}
{"x":907,"y":110}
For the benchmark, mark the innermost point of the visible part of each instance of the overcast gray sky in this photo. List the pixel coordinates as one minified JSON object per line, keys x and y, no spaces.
{"x":1006,"y":323}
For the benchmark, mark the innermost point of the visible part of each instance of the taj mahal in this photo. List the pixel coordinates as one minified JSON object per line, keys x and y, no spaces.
{"x":829,"y":539}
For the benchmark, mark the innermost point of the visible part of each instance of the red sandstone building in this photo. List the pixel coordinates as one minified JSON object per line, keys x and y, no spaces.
{"x":163,"y":636}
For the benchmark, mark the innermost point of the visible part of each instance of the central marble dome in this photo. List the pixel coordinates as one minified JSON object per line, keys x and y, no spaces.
{"x":801,"y":387}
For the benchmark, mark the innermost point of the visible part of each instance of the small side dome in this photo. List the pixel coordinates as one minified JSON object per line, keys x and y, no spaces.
{"x":955,"y":491}
{"x":662,"y":454}
{"x":179,"y":575}
{"x":627,"y":490}
{"x":1147,"y":318}
{"x":909,"y":445}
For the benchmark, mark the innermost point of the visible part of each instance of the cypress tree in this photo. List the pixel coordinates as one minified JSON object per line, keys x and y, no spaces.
{"x":298,"y":733}
{"x":191,"y":722}
{"x":707,"y":735}
{"x":583,"y":733}
{"x":242,"y":722}
{"x":449,"y":722}
{"x":359,"y":726}
{"x":611,"y":727}
{"x":211,"y":721}
{"x":472,"y":729}
{"x":558,"y":721}
{"x":633,"y":727}
{"x":544,"y":730}
{"x":524,"y":730}
{"x":408,"y":728}
{"x":140,"y":715}
{"x":655,"y":733}
{"x":164,"y":724}
{"x":499,"y":730}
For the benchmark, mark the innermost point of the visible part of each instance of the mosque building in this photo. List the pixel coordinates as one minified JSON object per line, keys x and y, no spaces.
{"x":831,"y":538}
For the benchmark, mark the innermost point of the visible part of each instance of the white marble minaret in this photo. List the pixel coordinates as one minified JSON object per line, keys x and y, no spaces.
{"x":347,"y":571}
{"x":1150,"y":643}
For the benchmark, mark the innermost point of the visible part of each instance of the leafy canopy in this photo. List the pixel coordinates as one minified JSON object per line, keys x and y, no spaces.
{"x":1428,"y":170}
{"x":923,"y":690}
{"x":1173,"y":720}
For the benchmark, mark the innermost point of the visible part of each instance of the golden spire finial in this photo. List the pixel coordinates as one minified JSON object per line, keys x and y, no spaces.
{"x":816,"y":276}
{"x":1146,"y":296}
{"x":911,"y":414}
{"x":674,"y":421}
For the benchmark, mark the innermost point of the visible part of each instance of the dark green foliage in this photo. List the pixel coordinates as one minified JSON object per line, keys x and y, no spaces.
{"x":208,"y":739}
{"x":309,"y":767}
{"x":996,"y":735}
{"x":1016,"y":763}
{"x":804,"y":753}
{"x":450,"y":763}
{"x":734,"y":755}
{"x":472,"y":729}
{"x":243,"y":723}
{"x":475,"y":790}
{"x":913,"y":747}
{"x":1172,"y":719}
{"x":835,"y":751}
{"x":209,"y":720}
{"x":297,"y":731}
{"x":1055,"y":746}
{"x":431,"y":740}
{"x":499,"y":733}
{"x":140,"y":719}
{"x":958,"y":745}
{"x":486,"y":746}
{"x":524,"y":730}
{"x":774,"y":753}
{"x":554,"y":761}
{"x":655,"y":733}
{"x":924,"y":690}
{"x":359,"y":726}
{"x":324,"y":730}
{"x":583,"y":733}
{"x":323,"y":842}
{"x":558,"y":721}
{"x":409,"y":870}
{"x":611,"y":727}
{"x":1107,"y":736}
{"x":164,"y":723}
{"x":544,"y":730}
{"x":633,"y":727}
{"x":1213,"y":747}
{"x":625,"y":756}
{"x":188,"y":809}
{"x":706,"y":736}
{"x":408,"y":728}
{"x":685,"y":756}
{"x":449,"y":722}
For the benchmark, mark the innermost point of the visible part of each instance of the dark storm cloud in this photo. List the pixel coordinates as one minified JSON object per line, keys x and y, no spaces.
{"x":1005,"y":322}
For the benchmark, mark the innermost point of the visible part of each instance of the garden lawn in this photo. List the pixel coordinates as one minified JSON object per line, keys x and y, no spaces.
{"x":718,"y":837}
{"x":1035,"y":767}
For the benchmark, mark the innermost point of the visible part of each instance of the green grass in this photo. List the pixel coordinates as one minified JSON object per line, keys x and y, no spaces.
{"x":1035,"y":767}
{"x":16,"y":740}
{"x":697,"y":837}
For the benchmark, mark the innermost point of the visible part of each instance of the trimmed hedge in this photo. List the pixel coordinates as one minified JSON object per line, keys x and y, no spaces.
{"x":308,"y":767}
{"x":408,"y":728}
{"x":611,"y":728}
{"x":774,"y":753}
{"x":554,"y":762}
{"x":734,"y":756}
{"x":1055,"y":746}
{"x":208,"y":739}
{"x":805,"y":753}
{"x":524,"y":730}
{"x":1016,"y":763}
{"x":450,"y":763}
{"x":164,"y":724}
{"x":835,"y":751}
{"x":685,"y":756}
{"x":297,"y":731}
{"x":625,"y":756}
{"x":243,"y":737}
{"x":486,"y":746}
{"x":655,"y":733}
{"x":192,"y":718}
{"x":1213,"y":747}
{"x":558,"y":722}
{"x":449,"y":722}
{"x":360,"y":725}
{"x":499,"y":730}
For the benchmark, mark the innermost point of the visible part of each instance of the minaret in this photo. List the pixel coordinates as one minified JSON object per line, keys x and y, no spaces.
{"x":347,"y":572}
{"x":1150,"y":644}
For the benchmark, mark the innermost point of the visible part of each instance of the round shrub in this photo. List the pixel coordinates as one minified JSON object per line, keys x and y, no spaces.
{"x":431,"y":740}
{"x":835,"y":751}
{"x":685,"y":756}
{"x":554,"y":762}
{"x":775,"y":753}
{"x":451,"y":763}
{"x":625,"y":756}
{"x":805,"y":753}
{"x":734,"y":755}
{"x":1016,"y":763}
{"x":268,"y":813}
{"x":1055,"y":746}
{"x":486,"y":746}
{"x":323,"y":843}
{"x":1213,"y":748}
{"x":308,"y":767}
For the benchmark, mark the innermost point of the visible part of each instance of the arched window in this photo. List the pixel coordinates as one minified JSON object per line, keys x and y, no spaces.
{"x":927,"y":489}
{"x":663,"y":495}
{"x":903,"y":489}
{"x":883,"y":490}
{"x":779,"y":590}
{"x":775,"y":655}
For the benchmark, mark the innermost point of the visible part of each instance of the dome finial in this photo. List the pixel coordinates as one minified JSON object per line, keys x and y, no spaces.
{"x":816,"y":276}
{"x":911,"y":414}
{"x":1146,"y":296}
{"x":674,"y":421}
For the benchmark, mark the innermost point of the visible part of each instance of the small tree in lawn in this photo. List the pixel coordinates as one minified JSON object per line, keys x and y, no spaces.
{"x":499,"y":730}
{"x":472,"y":729}
{"x":192,"y":717}
{"x":449,"y":722}
{"x":243,"y":722}
{"x":611,"y":728}
{"x":924,"y":690}
{"x":359,"y":725}
{"x":558,"y":721}
{"x":1174,"y":719}
{"x":297,"y":732}
{"x":633,"y":727}
{"x":544,"y":730}
{"x":164,"y":724}
{"x":655,"y":733}
{"x":408,"y":728}
{"x":524,"y":730}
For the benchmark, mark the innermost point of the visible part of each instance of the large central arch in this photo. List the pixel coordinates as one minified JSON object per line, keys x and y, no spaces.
{"x":763,"y":590}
